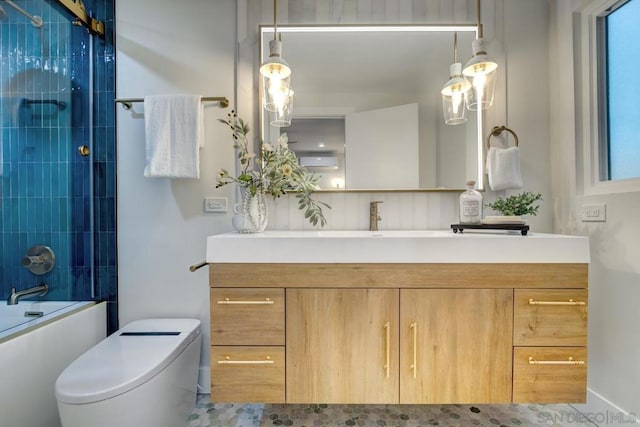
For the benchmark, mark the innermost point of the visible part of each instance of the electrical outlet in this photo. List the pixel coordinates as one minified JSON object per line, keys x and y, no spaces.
{"x":594,"y":213}
{"x":215,"y":204}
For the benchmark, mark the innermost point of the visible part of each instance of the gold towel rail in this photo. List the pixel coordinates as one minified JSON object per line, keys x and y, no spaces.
{"x":496,"y":131}
{"x":127,"y":103}
{"x":197,"y":266}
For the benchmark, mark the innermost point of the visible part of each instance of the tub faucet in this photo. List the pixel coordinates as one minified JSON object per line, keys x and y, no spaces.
{"x":374,"y":216}
{"x":15,"y":296}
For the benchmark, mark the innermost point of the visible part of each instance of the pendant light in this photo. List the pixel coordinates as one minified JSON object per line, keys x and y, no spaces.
{"x":282,"y":116}
{"x":454,"y":91}
{"x":481,"y":71}
{"x":275,"y":73}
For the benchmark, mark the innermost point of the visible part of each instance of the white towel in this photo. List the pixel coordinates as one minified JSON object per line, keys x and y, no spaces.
{"x":174,"y":133}
{"x":503,"y":168}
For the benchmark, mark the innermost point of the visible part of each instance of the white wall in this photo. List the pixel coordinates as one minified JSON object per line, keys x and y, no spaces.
{"x":614,"y":274}
{"x":526,"y":26}
{"x":166,"y":46}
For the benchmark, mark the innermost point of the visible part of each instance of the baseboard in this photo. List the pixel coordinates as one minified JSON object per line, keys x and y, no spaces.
{"x":204,"y":380}
{"x":603,"y":412}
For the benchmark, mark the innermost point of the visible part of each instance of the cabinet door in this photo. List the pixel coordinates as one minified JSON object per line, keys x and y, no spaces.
{"x":455,"y":345}
{"x":342,"y":345}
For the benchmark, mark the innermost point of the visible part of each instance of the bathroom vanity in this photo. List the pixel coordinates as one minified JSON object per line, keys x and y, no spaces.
{"x":398,"y":317}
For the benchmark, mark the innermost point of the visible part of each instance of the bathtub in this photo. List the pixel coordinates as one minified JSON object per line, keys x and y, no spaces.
{"x":35,"y":349}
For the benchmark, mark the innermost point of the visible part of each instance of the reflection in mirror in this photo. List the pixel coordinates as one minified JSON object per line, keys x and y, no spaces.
{"x":368,"y":109}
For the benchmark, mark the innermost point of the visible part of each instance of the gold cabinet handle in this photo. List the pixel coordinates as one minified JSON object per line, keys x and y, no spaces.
{"x":227,"y":361}
{"x":387,"y":329}
{"x":570,"y":361}
{"x":227,"y":301}
{"x":414,"y":367}
{"x":570,"y":302}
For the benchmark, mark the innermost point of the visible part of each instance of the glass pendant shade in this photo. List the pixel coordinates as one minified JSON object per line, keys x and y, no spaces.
{"x":282,"y":116}
{"x":276,"y":78}
{"x":481,"y":72}
{"x":454,"y":94}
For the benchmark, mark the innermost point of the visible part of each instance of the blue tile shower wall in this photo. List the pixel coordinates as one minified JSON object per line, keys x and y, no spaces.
{"x":46,"y":191}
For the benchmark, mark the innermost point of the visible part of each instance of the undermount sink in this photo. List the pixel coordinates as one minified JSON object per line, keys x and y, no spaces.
{"x":395,"y":246}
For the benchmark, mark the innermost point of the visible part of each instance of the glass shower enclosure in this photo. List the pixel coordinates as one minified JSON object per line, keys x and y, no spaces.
{"x":57,"y":152}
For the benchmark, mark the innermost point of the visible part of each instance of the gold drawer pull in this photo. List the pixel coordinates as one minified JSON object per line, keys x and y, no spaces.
{"x":414,"y":367}
{"x":570,"y":302}
{"x":387,"y":329}
{"x":227,"y":301}
{"x":570,"y":361}
{"x":228,"y":361}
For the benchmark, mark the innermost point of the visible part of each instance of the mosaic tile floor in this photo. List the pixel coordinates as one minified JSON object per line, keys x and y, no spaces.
{"x":250,"y":415}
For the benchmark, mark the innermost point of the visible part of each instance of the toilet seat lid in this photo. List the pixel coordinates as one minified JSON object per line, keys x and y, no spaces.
{"x":129,"y":357}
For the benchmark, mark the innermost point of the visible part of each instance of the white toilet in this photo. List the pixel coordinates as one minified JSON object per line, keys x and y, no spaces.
{"x":145,"y":374}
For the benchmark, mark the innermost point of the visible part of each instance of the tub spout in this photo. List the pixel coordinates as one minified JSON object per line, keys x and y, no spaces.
{"x":15,"y":296}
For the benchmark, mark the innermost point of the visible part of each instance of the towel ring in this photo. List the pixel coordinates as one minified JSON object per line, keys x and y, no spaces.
{"x":496,"y":131}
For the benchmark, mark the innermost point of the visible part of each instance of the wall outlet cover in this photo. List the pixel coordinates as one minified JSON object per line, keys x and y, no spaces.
{"x":215,"y":204}
{"x":594,"y":213}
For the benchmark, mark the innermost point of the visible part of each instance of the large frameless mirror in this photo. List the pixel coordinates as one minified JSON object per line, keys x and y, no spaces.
{"x":367,"y":110}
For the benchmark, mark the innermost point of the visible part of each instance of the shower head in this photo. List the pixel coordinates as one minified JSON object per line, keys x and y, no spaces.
{"x":36,"y":21}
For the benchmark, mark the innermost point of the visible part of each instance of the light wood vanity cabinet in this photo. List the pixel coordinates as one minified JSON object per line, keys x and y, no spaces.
{"x":247,"y":338}
{"x":399,"y":333}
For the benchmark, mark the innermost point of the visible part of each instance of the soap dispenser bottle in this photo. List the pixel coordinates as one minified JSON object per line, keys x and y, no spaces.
{"x":470,"y":205}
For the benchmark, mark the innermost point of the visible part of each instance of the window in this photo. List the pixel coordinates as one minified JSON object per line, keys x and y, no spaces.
{"x":618,"y":57}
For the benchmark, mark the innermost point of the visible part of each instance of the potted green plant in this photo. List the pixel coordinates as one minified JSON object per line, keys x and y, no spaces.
{"x":517,"y":205}
{"x":275,"y":171}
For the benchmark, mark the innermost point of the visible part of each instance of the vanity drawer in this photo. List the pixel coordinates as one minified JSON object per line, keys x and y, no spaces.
{"x":247,"y":316}
{"x":549,"y":374}
{"x":550,"y":317}
{"x":247,"y":374}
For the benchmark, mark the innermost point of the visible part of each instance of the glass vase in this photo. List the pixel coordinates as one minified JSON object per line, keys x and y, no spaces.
{"x":251,"y":215}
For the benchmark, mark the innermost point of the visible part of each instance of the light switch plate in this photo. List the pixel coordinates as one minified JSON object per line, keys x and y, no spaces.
{"x":594,"y":213}
{"x":215,"y":204}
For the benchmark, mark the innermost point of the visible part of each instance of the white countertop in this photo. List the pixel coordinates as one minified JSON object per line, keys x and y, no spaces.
{"x":401,"y":246}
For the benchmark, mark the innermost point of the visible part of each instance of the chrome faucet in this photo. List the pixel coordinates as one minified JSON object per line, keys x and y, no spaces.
{"x":15,"y":296}
{"x":374,"y":216}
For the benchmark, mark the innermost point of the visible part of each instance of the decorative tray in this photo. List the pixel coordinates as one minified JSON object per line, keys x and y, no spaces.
{"x":501,"y":219}
{"x":523,"y":228}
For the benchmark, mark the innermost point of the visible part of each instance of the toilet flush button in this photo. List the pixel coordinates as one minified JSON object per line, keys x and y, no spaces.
{"x":148,"y":334}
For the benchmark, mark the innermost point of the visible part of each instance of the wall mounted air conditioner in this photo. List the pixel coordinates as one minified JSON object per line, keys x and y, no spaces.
{"x":324,"y":162}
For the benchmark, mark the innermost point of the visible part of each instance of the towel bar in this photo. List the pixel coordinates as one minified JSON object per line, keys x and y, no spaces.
{"x":197,"y":266}
{"x":127,"y":102}
{"x":496,"y":131}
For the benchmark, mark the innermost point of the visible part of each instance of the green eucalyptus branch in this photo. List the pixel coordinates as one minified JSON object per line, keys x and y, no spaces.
{"x":276,"y":171}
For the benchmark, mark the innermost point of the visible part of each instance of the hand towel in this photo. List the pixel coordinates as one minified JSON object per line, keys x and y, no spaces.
{"x":503,"y":168}
{"x":174,"y":133}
